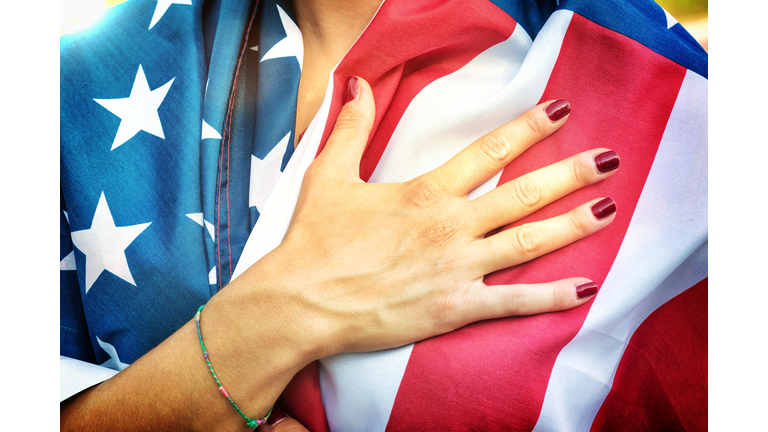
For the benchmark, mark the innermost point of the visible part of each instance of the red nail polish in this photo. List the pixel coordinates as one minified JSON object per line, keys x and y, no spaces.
{"x":353,"y":89}
{"x":607,"y":161}
{"x":558,"y":109}
{"x":276,"y":416}
{"x":604,"y":208}
{"x":586,"y":290}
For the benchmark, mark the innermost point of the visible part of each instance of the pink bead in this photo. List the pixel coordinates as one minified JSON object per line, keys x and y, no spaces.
{"x":224,"y":392}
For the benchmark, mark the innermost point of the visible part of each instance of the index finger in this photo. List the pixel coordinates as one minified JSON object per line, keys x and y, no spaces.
{"x":489,"y":154}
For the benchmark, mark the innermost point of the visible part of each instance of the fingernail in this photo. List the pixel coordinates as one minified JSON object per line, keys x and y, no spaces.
{"x":607,"y":161}
{"x":353,"y":89}
{"x":558,"y":109}
{"x":586,"y":290}
{"x":276,"y":417}
{"x":604,"y":208}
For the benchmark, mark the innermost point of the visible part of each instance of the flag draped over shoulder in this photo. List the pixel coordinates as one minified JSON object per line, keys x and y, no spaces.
{"x":159,"y":149}
{"x":178,"y":173}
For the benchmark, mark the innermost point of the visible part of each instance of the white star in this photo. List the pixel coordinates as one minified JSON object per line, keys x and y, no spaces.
{"x":670,"y":19}
{"x":114,"y":360}
{"x":68,"y":263}
{"x":104,"y":245}
{"x":209,"y":131}
{"x":264,"y":174}
{"x":292,"y":45}
{"x":162,"y":6}
{"x":254,"y":48}
{"x":138,"y":111}
{"x":198,"y":217}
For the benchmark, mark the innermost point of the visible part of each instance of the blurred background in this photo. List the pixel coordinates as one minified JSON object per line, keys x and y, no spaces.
{"x":691,"y":14}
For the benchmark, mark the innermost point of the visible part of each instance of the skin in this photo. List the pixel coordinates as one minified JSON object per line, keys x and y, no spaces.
{"x":333,"y":285}
{"x":328,"y":29}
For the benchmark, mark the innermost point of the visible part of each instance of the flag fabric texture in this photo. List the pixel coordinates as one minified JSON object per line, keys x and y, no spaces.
{"x":178,"y":172}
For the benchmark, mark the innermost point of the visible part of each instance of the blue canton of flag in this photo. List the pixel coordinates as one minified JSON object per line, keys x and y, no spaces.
{"x":167,"y":153}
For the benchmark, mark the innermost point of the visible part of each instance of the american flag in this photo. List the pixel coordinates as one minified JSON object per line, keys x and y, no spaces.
{"x":174,"y":181}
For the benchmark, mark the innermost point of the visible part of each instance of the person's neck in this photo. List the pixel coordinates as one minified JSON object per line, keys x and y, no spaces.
{"x":332,"y":26}
{"x":328,"y":29}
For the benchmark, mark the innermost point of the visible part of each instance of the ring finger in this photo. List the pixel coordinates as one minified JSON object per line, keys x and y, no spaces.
{"x":523,"y":243}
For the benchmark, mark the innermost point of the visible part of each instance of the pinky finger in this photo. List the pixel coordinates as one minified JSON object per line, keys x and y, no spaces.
{"x":497,"y":301}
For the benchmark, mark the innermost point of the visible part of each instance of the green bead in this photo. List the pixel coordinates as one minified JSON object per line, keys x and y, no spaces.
{"x":252,"y":423}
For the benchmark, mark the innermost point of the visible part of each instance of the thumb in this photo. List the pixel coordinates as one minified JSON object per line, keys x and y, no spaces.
{"x":279,"y":421}
{"x":349,"y":138}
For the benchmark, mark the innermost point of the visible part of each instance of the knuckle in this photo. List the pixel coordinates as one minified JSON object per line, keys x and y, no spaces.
{"x":349,"y":120}
{"x":450,"y":307}
{"x":576,"y":223}
{"x":496,"y":146}
{"x":441,"y":229}
{"x":533,"y":125}
{"x":527,"y":239}
{"x":518,"y":302}
{"x":423,"y":194}
{"x":560,"y":298}
{"x":581,"y":172}
{"x":528,"y":192}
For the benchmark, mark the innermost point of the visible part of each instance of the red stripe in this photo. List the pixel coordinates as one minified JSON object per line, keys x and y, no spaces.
{"x":661,"y":381}
{"x":301,"y":399}
{"x":407,"y":46}
{"x":493,"y":375}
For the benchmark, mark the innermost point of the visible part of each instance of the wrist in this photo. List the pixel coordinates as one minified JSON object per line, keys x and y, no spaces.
{"x":266,"y":304}
{"x":246,"y":341}
{"x":285,"y":294}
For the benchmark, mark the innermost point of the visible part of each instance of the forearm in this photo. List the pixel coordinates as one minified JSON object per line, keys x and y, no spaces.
{"x":253,"y":351}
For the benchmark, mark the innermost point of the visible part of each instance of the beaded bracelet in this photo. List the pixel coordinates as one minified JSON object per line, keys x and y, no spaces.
{"x":249,"y":421}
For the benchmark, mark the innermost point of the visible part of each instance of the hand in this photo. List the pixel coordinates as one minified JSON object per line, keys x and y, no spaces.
{"x":373,"y":266}
{"x":362,"y":267}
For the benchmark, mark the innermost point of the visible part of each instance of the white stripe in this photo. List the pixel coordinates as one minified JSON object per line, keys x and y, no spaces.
{"x":76,"y":375}
{"x":358,"y":389}
{"x":663,"y":253}
{"x":446,"y":116}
